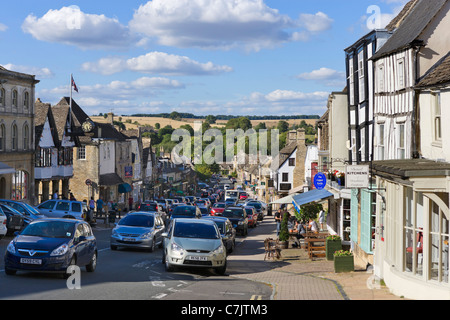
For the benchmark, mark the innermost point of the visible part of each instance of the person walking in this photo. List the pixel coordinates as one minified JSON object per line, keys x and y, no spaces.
{"x":321,"y":218}
{"x":278,"y":218}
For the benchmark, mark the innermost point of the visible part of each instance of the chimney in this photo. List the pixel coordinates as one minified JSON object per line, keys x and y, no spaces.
{"x":110,"y":118}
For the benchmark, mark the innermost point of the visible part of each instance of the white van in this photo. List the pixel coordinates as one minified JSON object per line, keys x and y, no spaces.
{"x":233,"y":194}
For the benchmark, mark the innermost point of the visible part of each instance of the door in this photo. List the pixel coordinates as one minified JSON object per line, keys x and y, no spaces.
{"x":62,"y":209}
{"x":47,"y":207}
{"x":81,"y":246}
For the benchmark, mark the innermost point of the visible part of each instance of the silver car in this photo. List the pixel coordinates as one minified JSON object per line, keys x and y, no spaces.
{"x":138,"y":230}
{"x":194,"y":243}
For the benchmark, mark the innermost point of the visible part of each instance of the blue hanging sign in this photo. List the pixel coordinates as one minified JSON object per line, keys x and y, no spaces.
{"x":320,"y":181}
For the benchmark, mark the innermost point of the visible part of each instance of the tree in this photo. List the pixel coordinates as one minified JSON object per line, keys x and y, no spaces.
{"x":283,"y":126}
{"x":157,"y":125}
{"x":211,"y":119}
{"x":239,"y":123}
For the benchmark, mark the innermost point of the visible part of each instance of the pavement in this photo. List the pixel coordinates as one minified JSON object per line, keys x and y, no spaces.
{"x":295,"y":277}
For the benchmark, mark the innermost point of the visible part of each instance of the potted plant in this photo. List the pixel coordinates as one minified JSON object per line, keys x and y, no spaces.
{"x":333,"y":243}
{"x":343,"y":261}
{"x":340,"y":176}
{"x":284,"y":232}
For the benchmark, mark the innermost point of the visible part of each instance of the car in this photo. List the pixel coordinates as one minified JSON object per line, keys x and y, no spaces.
{"x":194,"y":243}
{"x":204,"y":211}
{"x":238,"y":218}
{"x":67,"y":209}
{"x":218,"y":208}
{"x":226,"y":230}
{"x":138,"y":230}
{"x":186,"y":212}
{"x":3,"y":227}
{"x":149,"y":206}
{"x":259,"y":209}
{"x":163,"y":204}
{"x":243,"y":196}
{"x":52,"y":245}
{"x":231,"y":201}
{"x":24,"y":208}
{"x":252,"y":216}
{"x":15,"y":221}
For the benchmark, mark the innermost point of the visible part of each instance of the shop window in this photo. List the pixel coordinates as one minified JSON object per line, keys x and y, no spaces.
{"x":439,"y":243}
{"x":414,"y":232}
{"x":19,"y":185}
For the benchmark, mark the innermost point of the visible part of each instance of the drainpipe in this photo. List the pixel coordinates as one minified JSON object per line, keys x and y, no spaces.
{"x":415,"y":127}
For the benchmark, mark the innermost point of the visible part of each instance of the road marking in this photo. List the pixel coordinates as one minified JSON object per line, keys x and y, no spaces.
{"x":159,"y":296}
{"x":255,"y":297}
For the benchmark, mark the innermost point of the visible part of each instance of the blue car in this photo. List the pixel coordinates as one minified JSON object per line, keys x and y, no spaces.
{"x":52,"y":245}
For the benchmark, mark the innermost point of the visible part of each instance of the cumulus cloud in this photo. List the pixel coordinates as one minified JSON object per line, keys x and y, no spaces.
{"x":327,"y":76}
{"x":40,"y":73}
{"x":69,"y":25}
{"x":3,"y":27}
{"x":222,"y":24}
{"x":155,"y":63}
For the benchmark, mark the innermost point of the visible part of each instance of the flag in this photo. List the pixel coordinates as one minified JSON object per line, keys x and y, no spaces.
{"x":74,"y":85}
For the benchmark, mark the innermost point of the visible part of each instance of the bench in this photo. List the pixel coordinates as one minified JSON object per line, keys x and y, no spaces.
{"x":315,"y":244}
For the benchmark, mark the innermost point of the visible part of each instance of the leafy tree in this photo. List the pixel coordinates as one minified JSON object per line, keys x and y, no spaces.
{"x":157,"y":125}
{"x":283,"y":126}
{"x":211,"y":119}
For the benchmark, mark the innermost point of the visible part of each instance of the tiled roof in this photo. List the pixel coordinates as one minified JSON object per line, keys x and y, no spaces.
{"x":438,"y":75}
{"x":416,"y":20}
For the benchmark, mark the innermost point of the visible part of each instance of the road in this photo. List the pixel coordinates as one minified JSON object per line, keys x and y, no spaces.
{"x":140,"y":275}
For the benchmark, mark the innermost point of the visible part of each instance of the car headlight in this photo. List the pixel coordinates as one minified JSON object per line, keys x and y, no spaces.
{"x":176,"y":248}
{"x":146,"y":235}
{"x":218,"y":250}
{"x":114,"y":233}
{"x":61,"y":250}
{"x":11,"y":247}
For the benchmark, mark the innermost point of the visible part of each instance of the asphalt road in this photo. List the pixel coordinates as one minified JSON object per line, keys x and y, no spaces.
{"x":137,"y":275}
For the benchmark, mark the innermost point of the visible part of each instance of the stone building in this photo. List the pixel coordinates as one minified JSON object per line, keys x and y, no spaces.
{"x":17,"y":92}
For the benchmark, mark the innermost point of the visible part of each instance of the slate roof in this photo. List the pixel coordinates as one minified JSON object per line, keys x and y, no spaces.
{"x":438,"y":75}
{"x":415,"y":21}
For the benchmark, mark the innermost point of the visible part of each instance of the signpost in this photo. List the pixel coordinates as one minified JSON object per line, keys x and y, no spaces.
{"x":357,"y":177}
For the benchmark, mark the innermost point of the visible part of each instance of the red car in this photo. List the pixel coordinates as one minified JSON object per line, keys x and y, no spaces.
{"x":217,"y":208}
{"x":243,"y":196}
{"x":252,"y":216}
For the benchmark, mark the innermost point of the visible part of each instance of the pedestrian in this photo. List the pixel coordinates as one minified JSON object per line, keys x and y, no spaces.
{"x":130,"y":203}
{"x":313,"y":226}
{"x":55,"y":195}
{"x":72,"y":197}
{"x":99,"y":206}
{"x":321,"y":218}
{"x":278,"y":218}
{"x":91,"y":208}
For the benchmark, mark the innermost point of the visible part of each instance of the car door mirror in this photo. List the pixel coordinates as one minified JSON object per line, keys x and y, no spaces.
{"x":165,"y":235}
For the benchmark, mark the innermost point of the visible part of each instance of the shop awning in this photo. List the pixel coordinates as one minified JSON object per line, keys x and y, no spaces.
{"x":110,"y":179}
{"x":124,"y":188}
{"x":311,"y":196}
{"x":284,"y":200}
{"x":5,"y":169}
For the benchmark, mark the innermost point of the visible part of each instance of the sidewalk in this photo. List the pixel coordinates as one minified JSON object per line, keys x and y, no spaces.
{"x":296,"y":277}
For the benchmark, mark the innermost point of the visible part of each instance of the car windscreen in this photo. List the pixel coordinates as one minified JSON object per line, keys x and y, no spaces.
{"x":184,"y":211}
{"x":148,"y":207}
{"x":249,"y":211}
{"x":219,"y":205}
{"x":50,"y":229}
{"x":257,"y":205}
{"x":195,"y":230}
{"x":221,"y":226}
{"x":137,"y":220}
{"x":229,"y":213}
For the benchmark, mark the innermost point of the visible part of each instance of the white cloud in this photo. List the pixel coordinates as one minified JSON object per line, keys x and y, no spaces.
{"x":70,"y":25}
{"x":3,"y":27}
{"x":155,"y":63}
{"x":221,"y":24}
{"x":40,"y":73}
{"x":326,"y":76}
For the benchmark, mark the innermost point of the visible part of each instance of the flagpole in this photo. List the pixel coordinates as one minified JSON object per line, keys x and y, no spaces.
{"x":70,"y":106}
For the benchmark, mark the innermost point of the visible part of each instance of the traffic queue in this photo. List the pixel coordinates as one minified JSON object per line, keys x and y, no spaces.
{"x":192,"y":231}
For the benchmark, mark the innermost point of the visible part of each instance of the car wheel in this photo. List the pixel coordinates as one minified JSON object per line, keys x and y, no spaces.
{"x":221,"y":270}
{"x":93,"y":264}
{"x":168,"y":266}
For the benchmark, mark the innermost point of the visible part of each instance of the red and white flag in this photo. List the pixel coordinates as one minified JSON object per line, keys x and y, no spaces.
{"x":74,"y":85}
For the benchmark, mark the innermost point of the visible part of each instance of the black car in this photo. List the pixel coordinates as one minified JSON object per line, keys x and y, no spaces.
{"x":52,"y":245}
{"x":258,"y":207}
{"x":15,"y":220}
{"x":186,"y":212}
{"x":226,"y":230}
{"x":238,"y":218}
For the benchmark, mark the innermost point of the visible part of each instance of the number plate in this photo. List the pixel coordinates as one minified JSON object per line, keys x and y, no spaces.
{"x":197,"y":258}
{"x":129,"y":239}
{"x":31,"y":261}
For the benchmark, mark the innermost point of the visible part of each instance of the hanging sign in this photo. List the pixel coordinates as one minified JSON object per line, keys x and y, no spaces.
{"x":357,"y":176}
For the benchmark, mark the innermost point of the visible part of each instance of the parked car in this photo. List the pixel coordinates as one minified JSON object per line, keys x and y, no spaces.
{"x":186,"y":212}
{"x":204,"y":211}
{"x":238,"y":218}
{"x":252,"y":216}
{"x":62,"y":209}
{"x":24,"y":208}
{"x":15,"y":221}
{"x":218,"y":208}
{"x":138,"y":230}
{"x":148,"y":206}
{"x":194,"y":243}
{"x":52,"y":245}
{"x":226,"y":230}
{"x":3,"y":227}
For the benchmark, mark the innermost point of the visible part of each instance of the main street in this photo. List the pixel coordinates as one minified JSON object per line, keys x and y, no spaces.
{"x":136,"y":275}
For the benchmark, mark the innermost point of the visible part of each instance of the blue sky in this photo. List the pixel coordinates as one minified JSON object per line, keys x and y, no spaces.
{"x":237,"y":57}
